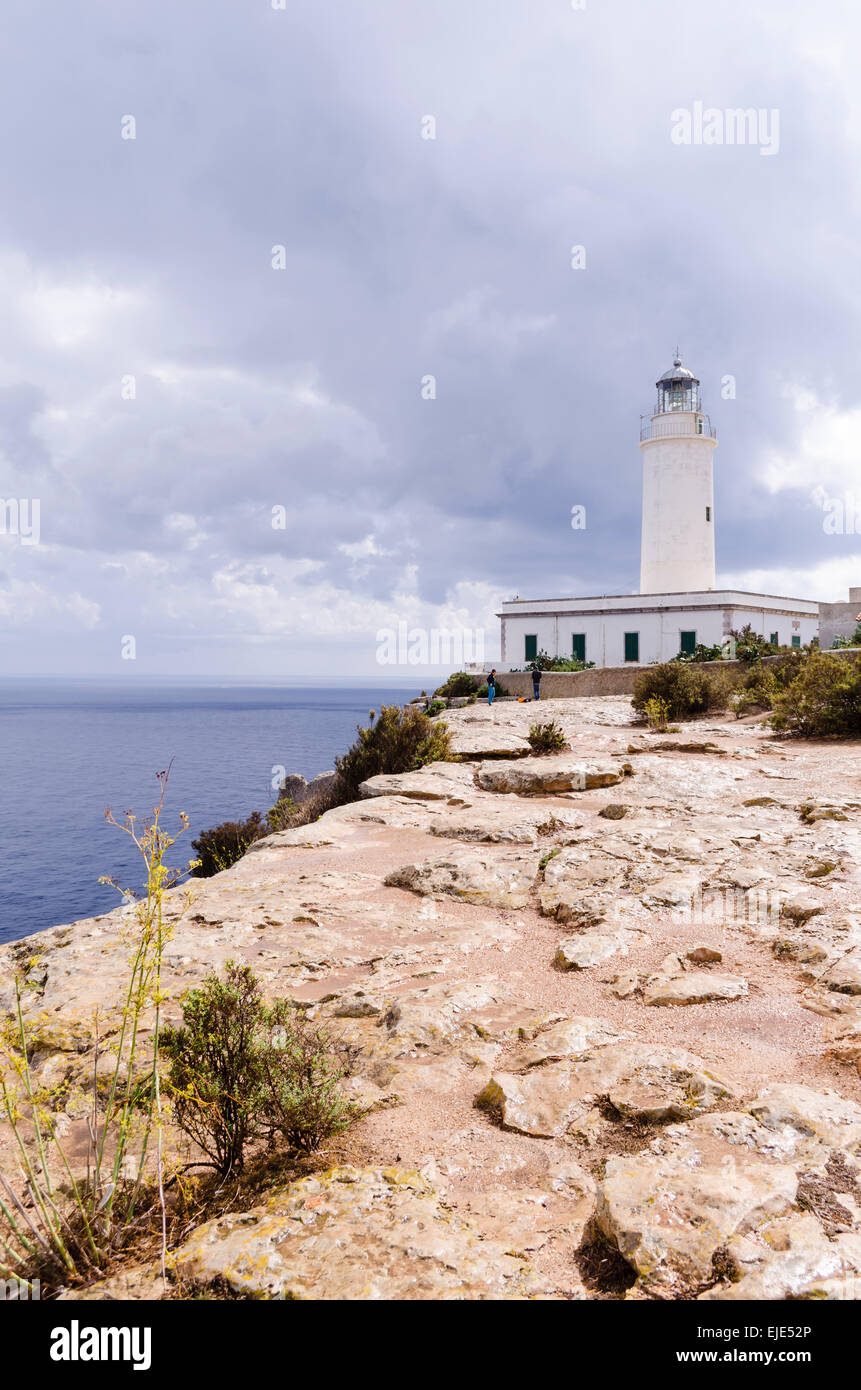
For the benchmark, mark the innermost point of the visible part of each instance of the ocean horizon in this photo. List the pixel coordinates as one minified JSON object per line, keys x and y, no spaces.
{"x":73,"y":747}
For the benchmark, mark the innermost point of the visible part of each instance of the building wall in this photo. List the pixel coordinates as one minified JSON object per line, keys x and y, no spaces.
{"x":613,"y":680}
{"x":838,"y":620}
{"x":678,"y":542}
{"x":659,"y":627}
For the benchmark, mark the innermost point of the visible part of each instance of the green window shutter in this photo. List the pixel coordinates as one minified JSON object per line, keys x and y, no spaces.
{"x":531,"y":646}
{"x":773,"y":639}
{"x":578,"y":646}
{"x":632,"y":646}
{"x":689,"y":642}
{"x":796,"y":641}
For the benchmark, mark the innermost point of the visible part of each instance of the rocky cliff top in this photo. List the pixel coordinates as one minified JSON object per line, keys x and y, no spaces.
{"x":609,"y":1011}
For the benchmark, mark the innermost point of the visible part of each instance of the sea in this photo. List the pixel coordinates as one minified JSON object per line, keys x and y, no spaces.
{"x":69,"y":750}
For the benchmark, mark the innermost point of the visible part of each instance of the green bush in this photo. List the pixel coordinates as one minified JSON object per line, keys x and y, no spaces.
{"x":747,"y":646}
{"x":701,"y":653}
{"x":684,"y":689}
{"x":657,"y":713}
{"x":458,"y":684}
{"x":222,"y":846}
{"x":546,"y":738}
{"x":822,"y":701}
{"x":561,"y":663}
{"x":241,"y":1070}
{"x":762,"y":684}
{"x":435,"y":707}
{"x":400,"y":740}
{"x":853,"y":641}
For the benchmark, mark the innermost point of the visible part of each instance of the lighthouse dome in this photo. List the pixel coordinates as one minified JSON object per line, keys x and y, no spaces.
{"x":676,"y":373}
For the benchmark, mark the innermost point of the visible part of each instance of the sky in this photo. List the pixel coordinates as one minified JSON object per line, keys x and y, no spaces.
{"x":320,"y":316}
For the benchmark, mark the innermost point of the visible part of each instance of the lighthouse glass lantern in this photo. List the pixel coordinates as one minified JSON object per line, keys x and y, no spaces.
{"x":678,"y":389}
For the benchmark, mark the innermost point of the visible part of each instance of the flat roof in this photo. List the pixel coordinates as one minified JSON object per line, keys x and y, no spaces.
{"x":681,"y":593}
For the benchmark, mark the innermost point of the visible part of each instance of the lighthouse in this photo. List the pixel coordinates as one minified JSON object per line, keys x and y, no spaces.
{"x":678,"y":608}
{"x":677,"y":553}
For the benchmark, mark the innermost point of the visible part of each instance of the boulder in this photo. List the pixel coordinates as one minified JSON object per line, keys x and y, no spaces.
{"x":545,"y":776}
{"x":594,"y":946}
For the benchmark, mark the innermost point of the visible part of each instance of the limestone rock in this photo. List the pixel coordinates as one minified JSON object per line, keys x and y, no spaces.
{"x":790,"y":1257}
{"x":501,"y":881}
{"x":801,"y":907}
{"x":693,"y":987}
{"x":703,"y":955}
{"x":641,"y":1082}
{"x":669,"y":1209}
{"x":593,"y":946}
{"x":824,"y":1115}
{"x":354,"y":1234}
{"x":571,"y":1038}
{"x":544,"y":776}
{"x":489,"y":742}
{"x":844,"y":977}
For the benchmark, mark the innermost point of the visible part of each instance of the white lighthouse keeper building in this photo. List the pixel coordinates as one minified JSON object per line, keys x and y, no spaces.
{"x":678,"y":606}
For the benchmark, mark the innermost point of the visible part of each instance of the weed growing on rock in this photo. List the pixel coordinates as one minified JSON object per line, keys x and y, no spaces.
{"x":65,"y":1225}
{"x":546,"y":738}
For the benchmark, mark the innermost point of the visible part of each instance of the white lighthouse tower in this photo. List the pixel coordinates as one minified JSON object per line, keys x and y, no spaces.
{"x":678,"y":540}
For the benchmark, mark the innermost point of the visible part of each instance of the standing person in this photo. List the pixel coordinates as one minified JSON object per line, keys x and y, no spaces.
{"x":536,"y":682}
{"x":491,"y":686}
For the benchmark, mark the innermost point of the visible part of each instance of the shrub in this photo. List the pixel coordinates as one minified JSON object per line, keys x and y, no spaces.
{"x":546,"y":738}
{"x":762,"y":684}
{"x":822,"y":701}
{"x":241,"y":1070}
{"x":657,"y":713}
{"x":400,"y":740}
{"x":853,"y":641}
{"x":747,"y":646}
{"x":458,"y":684}
{"x":682,"y":688}
{"x":701,"y":653}
{"x":435,"y":707}
{"x":302,"y":1068}
{"x":222,"y":846}
{"x":214,"y":1075}
{"x":561,"y":663}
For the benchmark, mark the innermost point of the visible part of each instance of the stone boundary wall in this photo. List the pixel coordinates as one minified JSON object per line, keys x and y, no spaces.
{"x":610,"y":680}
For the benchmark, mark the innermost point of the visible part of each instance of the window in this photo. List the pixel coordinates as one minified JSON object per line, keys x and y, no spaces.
{"x":688,"y":643}
{"x":632,"y":646}
{"x":708,"y":513}
{"x":699,"y":431}
{"x":531,"y":646}
{"x":796,"y":641}
{"x":578,"y":646}
{"x":774,"y":640}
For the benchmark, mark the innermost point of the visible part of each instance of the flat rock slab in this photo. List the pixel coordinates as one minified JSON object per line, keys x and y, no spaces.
{"x":502,"y":881}
{"x":570,"y":1038}
{"x":669,"y":1213}
{"x":488,"y":743}
{"x":354,"y":1234}
{"x":642,"y":1082}
{"x":824,"y":1115}
{"x":593,"y":946}
{"x":693,"y":987}
{"x":790,"y":1257}
{"x":543,"y":776}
